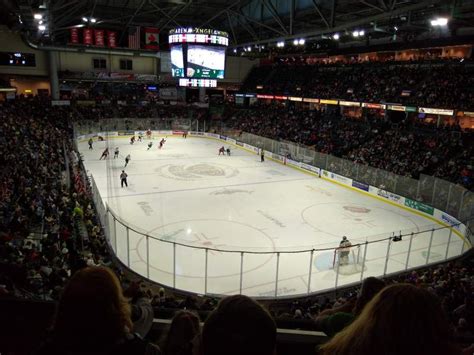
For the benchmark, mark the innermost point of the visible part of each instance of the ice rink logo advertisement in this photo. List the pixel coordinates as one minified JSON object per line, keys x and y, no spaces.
{"x":451,"y":221}
{"x":196,"y":171}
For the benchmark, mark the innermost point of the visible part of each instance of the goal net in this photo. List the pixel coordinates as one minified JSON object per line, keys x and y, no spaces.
{"x":348,"y":260}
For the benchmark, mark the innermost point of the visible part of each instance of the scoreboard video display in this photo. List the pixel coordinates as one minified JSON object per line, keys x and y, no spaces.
{"x":198,"y":53}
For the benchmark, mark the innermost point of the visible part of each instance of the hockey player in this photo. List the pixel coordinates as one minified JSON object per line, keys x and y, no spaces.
{"x":90,"y":143}
{"x":162,"y":143}
{"x":116,"y":153}
{"x":127,"y":160}
{"x":123,"y":178}
{"x":345,"y":245}
{"x":148,"y":133}
{"x":150,"y":145}
{"x":105,"y":154}
{"x":262,"y":155}
{"x":228,"y":151}
{"x":185,"y":134}
{"x":140,"y":136}
{"x":132,"y":140}
{"x":221,"y":150}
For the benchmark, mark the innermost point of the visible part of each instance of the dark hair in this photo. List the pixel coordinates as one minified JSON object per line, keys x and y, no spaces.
{"x":370,"y":287}
{"x":400,"y":319}
{"x":183,"y":329}
{"x":92,"y":311}
{"x":238,"y":326}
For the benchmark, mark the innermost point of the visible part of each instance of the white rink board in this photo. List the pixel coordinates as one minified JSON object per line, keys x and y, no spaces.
{"x":186,"y":193}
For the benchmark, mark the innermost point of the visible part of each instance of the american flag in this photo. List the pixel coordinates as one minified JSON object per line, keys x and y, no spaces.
{"x":134,"y":37}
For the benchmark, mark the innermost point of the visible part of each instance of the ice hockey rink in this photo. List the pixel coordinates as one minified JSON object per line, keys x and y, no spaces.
{"x":187,"y":194}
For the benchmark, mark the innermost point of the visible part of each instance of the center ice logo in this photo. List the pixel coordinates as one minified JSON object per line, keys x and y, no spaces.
{"x":196,"y":171}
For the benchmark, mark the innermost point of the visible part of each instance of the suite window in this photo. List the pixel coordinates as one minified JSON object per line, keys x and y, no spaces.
{"x":100,"y":63}
{"x":126,"y":64}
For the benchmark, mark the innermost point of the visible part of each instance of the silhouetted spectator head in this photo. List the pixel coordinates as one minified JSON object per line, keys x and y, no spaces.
{"x":401,"y":319}
{"x":370,"y":287}
{"x":239,"y":325}
{"x":92,"y":312}
{"x":182,"y":332}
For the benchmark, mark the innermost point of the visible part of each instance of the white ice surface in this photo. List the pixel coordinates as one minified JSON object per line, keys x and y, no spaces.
{"x":186,"y":193}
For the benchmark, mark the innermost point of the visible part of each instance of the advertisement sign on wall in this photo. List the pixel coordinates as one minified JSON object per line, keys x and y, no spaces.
{"x":419,"y":206}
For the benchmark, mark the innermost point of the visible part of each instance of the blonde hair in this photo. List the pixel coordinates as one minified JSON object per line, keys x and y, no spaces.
{"x":400,"y":319}
{"x":92,"y":310}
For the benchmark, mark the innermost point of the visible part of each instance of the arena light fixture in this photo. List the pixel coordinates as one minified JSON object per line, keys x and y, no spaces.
{"x":336,"y":36}
{"x":361,"y":33}
{"x":280,"y":44}
{"x":295,"y":42}
{"x":42,"y":27}
{"x":235,"y":50}
{"x":85,"y":19}
{"x":38,"y":16}
{"x":440,"y":21}
{"x":249,"y":48}
{"x":93,"y":20}
{"x":355,"y":34}
{"x":301,"y":41}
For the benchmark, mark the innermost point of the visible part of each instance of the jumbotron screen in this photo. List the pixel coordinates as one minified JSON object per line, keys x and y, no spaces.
{"x":198,"y":53}
{"x":205,"y":62}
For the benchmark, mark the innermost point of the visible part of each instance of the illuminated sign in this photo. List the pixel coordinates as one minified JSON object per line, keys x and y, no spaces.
{"x":198,"y":35}
{"x":349,"y":103}
{"x":369,"y":105}
{"x":281,"y":97}
{"x":265,"y":97}
{"x":328,"y":102}
{"x":436,"y":111}
{"x":396,"y":108}
{"x":198,"y":83}
{"x":294,"y":98}
{"x":311,"y":100}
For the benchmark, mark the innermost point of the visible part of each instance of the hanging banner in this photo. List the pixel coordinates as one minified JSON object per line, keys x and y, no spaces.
{"x":328,"y":102}
{"x":436,"y":111}
{"x":74,"y":39}
{"x":87,"y":37}
{"x":369,"y":105}
{"x":111,"y":39}
{"x":151,"y":38}
{"x":349,"y":103}
{"x":99,"y":38}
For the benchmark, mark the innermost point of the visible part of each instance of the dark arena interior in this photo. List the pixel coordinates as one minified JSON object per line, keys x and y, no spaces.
{"x":263,"y":177}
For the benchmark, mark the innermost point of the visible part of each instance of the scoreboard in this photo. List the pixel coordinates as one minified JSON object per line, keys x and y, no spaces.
{"x":198,"y":53}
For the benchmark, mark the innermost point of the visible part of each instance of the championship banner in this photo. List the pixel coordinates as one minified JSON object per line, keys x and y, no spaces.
{"x":151,"y":38}
{"x":111,"y":39}
{"x":74,"y":33}
{"x":99,"y":38}
{"x":87,"y":38}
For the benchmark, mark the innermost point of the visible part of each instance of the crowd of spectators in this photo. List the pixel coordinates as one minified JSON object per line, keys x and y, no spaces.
{"x":444,"y":84}
{"x":404,"y":149}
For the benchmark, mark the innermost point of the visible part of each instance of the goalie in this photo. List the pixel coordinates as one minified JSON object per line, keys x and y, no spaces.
{"x":345,"y":247}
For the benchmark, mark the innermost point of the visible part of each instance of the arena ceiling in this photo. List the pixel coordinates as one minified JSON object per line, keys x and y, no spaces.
{"x":248,"y":22}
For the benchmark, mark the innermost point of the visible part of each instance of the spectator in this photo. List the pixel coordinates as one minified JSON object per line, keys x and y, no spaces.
{"x":183,"y":334}
{"x":334,"y":320}
{"x":93,"y":316}
{"x":239,"y":325}
{"x":401,"y":319}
